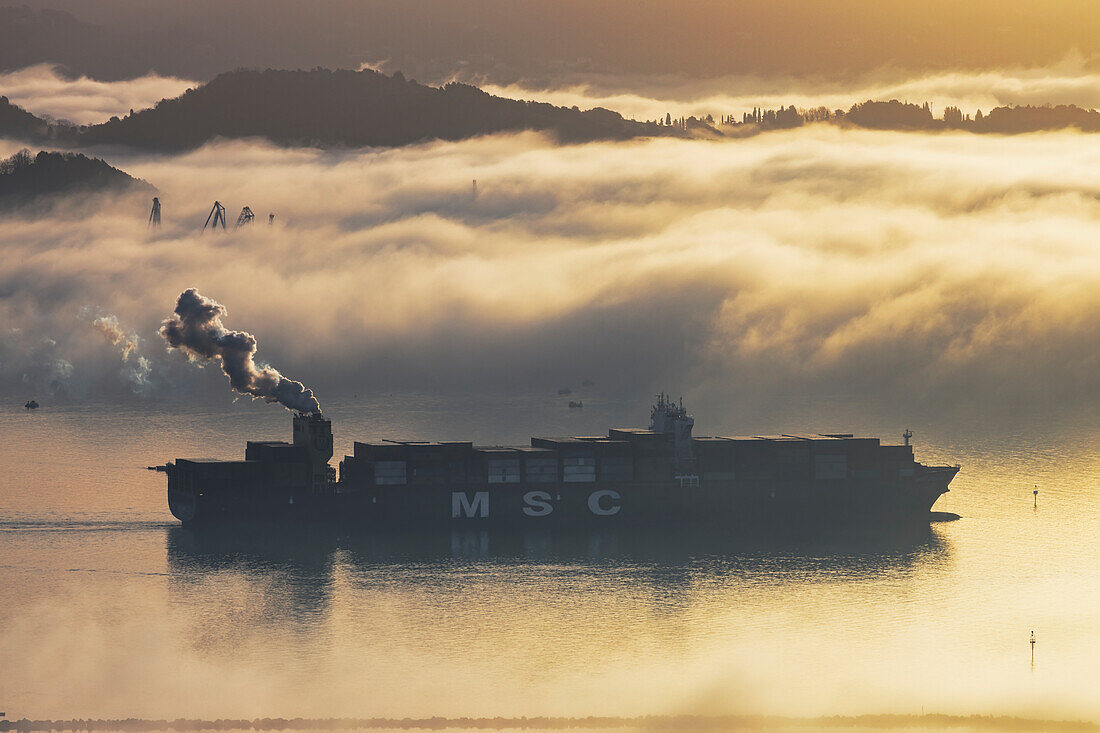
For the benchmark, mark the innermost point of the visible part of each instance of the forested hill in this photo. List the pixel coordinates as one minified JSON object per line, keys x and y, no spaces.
{"x":349,"y":108}
{"x":18,"y":124}
{"x":25,"y":178}
{"x":333,"y":109}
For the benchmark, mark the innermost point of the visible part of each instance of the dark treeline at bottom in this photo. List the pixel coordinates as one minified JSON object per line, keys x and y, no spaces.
{"x":652,"y":722}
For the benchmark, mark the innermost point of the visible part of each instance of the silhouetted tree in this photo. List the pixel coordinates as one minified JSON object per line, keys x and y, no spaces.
{"x":24,"y":178}
{"x":892,"y":115}
{"x":17,"y":162}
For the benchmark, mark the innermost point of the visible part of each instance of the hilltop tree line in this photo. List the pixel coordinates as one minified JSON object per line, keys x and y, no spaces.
{"x":25,"y":177}
{"x":348,"y":108}
{"x":896,"y":115}
{"x":332,"y":109}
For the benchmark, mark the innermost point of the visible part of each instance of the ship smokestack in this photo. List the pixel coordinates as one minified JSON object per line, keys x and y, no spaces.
{"x":197,"y":329}
{"x":314,"y":433}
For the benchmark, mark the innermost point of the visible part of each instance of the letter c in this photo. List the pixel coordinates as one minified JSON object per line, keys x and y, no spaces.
{"x":597,"y":508}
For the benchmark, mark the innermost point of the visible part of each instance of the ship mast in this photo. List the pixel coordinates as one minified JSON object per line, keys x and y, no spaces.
{"x":669,"y":417}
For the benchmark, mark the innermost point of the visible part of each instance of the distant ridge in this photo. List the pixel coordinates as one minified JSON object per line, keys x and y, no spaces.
{"x":326,"y":109}
{"x":348,"y":109}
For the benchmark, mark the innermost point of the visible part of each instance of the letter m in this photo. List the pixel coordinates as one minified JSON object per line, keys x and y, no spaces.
{"x":463,"y":507}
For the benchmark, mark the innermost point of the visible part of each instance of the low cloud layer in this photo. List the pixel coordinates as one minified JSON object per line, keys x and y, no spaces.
{"x":930,"y":271}
{"x":1073,"y":81}
{"x":44,"y":91}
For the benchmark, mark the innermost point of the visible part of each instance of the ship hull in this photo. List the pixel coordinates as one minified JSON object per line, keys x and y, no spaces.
{"x":656,"y":503}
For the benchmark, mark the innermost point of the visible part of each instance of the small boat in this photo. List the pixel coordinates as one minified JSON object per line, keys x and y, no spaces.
{"x":575,"y":405}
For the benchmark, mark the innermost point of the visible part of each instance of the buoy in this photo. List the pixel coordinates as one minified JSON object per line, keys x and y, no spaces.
{"x":1035,"y":497}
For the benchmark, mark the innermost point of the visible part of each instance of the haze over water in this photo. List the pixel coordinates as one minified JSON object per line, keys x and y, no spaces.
{"x":819,"y":279}
{"x":113,"y":610}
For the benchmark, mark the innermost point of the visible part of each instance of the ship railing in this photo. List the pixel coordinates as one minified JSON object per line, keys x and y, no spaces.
{"x":940,"y":469}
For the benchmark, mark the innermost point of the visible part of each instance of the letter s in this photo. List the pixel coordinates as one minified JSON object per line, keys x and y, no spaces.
{"x":598,"y":509}
{"x":538,"y":504}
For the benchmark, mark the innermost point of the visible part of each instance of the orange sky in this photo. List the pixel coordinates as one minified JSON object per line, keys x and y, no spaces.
{"x":554,"y":39}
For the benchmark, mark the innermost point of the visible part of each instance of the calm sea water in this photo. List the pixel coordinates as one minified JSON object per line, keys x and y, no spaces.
{"x":108,"y":608}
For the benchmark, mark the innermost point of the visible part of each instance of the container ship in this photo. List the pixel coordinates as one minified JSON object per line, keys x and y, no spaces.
{"x":658,"y":476}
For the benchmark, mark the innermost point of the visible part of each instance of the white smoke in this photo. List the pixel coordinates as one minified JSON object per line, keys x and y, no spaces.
{"x":136,"y":368}
{"x":35,"y":364}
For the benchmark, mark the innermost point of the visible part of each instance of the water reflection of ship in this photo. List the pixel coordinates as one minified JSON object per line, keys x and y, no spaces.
{"x":890,"y":546}
{"x":240,"y":586}
{"x":308,"y":558}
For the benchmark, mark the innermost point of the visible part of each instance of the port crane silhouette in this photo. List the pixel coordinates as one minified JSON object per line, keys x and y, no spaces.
{"x":217,"y":214}
{"x":154,"y":215}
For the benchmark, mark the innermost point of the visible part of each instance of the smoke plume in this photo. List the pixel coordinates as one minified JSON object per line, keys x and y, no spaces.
{"x":128,"y":342}
{"x":197,"y":329}
{"x":44,"y":369}
{"x":136,"y":368}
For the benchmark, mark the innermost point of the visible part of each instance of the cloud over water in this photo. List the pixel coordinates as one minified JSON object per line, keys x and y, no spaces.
{"x":935,"y":268}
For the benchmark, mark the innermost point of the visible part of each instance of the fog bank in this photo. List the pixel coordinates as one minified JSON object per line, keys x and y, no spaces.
{"x":939,"y":271}
{"x":42,"y":90}
{"x":1072,"y":81}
